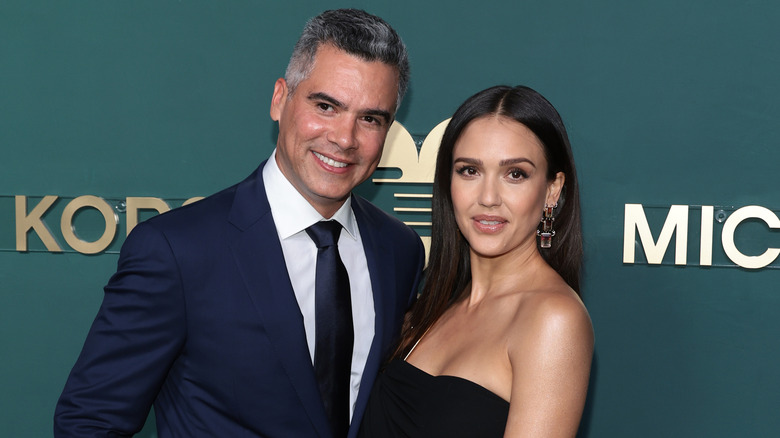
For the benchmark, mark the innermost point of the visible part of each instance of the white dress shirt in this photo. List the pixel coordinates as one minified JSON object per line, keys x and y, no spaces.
{"x":292,"y":215}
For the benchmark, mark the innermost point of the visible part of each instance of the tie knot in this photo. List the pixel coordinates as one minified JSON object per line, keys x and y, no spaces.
{"x":324,"y":233}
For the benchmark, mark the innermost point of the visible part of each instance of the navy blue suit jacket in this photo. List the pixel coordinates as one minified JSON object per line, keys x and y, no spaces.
{"x":200,"y":320}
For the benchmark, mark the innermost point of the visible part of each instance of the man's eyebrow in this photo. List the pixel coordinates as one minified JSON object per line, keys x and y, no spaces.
{"x":327,"y":98}
{"x":376,"y":112}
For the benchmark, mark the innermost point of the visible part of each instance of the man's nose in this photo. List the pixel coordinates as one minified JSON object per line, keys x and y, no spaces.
{"x":343,"y":133}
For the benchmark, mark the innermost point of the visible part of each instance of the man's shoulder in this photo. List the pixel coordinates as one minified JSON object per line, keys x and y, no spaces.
{"x":376,"y":216}
{"x":382,"y":224}
{"x":189,"y":231}
{"x":207,"y":211}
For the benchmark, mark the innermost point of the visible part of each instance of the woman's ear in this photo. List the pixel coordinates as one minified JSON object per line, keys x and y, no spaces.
{"x":554,"y":188}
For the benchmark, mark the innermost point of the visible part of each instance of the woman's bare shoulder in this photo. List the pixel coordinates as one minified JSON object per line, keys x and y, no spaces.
{"x":554,"y":313}
{"x":550,"y":351}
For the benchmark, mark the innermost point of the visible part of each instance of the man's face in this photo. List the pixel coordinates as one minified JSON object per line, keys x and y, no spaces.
{"x":332,"y":129}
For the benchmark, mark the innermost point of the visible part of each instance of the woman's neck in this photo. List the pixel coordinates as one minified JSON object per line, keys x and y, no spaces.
{"x":508,"y":273}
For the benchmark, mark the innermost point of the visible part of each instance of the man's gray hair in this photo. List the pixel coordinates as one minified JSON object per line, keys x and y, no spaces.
{"x":356,"y":32}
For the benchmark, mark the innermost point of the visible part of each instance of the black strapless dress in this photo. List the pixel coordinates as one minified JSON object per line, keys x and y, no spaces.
{"x":408,"y":402}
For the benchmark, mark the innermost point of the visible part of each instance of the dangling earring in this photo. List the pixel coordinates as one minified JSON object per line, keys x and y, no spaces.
{"x":547,"y":232}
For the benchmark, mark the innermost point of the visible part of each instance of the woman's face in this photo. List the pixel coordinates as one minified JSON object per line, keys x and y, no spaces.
{"x":499,"y":186}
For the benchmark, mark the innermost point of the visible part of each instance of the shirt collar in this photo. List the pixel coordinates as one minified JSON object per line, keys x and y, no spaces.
{"x":292,"y":213}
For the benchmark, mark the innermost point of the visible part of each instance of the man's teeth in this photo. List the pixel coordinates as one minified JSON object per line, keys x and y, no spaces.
{"x":330,"y":162}
{"x":490,"y":222}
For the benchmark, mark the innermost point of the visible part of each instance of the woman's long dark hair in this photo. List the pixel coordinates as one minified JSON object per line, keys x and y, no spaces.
{"x":449,"y":268}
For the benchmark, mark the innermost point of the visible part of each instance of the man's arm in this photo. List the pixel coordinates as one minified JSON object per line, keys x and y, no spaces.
{"x":137,"y":334}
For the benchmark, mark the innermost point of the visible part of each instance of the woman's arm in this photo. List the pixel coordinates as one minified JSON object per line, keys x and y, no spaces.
{"x":550,"y":353}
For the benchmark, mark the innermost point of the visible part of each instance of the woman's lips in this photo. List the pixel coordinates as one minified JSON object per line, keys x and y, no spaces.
{"x":489,"y":224}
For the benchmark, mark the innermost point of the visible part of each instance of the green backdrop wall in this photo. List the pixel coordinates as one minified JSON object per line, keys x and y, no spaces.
{"x":666,"y":102}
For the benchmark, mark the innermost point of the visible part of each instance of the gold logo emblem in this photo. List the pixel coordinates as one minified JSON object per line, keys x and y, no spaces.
{"x":416,"y":168}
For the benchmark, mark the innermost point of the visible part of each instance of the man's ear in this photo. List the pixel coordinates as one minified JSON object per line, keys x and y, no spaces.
{"x":278,"y":99}
{"x":554,"y":188}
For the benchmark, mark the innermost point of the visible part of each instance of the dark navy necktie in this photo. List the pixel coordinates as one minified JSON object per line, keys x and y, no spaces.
{"x":333,"y":326}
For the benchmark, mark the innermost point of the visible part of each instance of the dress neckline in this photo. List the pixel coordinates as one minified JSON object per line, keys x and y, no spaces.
{"x":441,"y":377}
{"x":446,"y":376}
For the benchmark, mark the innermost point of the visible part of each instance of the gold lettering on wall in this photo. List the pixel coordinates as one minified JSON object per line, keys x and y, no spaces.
{"x":69,"y":232}
{"x":635,"y":221}
{"x":730,"y":227}
{"x":25,"y":222}
{"x":33,"y":221}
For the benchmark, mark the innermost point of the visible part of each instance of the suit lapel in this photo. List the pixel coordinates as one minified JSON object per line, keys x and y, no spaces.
{"x":258,"y":254}
{"x":381,"y":271}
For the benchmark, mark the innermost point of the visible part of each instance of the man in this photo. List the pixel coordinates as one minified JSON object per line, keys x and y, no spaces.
{"x":212,"y":314}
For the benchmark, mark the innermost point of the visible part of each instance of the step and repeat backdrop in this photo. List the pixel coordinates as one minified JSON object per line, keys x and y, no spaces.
{"x":114,"y":111}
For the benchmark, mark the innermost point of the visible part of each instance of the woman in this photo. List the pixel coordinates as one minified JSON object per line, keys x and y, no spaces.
{"x":499,"y":342}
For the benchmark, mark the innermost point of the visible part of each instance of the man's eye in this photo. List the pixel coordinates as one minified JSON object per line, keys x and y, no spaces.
{"x":324,"y":106}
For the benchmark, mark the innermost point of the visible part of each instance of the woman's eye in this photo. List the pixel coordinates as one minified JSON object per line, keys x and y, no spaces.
{"x":517,"y":174}
{"x":467,"y":171}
